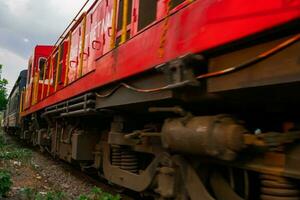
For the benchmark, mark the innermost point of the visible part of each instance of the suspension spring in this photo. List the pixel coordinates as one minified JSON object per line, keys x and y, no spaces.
{"x":129,"y":161}
{"x":116,"y":151}
{"x":278,"y":188}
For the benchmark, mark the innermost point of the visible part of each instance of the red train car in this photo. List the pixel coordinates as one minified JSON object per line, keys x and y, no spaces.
{"x":137,"y":90}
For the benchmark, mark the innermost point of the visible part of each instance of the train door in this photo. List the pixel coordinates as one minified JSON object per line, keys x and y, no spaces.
{"x":60,"y":66}
{"x":42,"y":66}
{"x":75,"y":65}
{"x":28,"y":93}
{"x":106,"y":18}
{"x":46,"y":79}
{"x":86,"y":50}
{"x":55,"y":68}
{"x":38,"y":61}
{"x":50,"y":78}
{"x":97,"y":36}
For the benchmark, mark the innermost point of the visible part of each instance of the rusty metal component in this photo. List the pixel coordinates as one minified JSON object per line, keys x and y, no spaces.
{"x":42,"y":137}
{"x":278,"y":188}
{"x":129,"y":160}
{"x":280,"y":163}
{"x":83,"y":144}
{"x":124,"y":158}
{"x":81,"y":105}
{"x":97,"y":157}
{"x":175,"y":109}
{"x":271,"y":139}
{"x":221,"y":188}
{"x":121,"y":139}
{"x":191,"y":181}
{"x":137,"y":182}
{"x":180,"y":71}
{"x":166,"y":181}
{"x":217,"y":136}
{"x":116,"y":153}
{"x":141,"y":134}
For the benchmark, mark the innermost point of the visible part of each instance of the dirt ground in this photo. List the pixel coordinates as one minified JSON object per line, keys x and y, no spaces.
{"x":42,"y":174}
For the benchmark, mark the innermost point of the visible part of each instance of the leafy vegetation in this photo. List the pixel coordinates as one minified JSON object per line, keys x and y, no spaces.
{"x":3,"y":91}
{"x":95,"y":194}
{"x":2,"y":141}
{"x":32,"y":194}
{"x":11,"y":152}
{"x":98,"y":194}
{"x":5,"y":182}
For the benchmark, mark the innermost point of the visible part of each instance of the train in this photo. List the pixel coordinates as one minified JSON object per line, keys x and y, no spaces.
{"x":11,"y":115}
{"x":173,"y":99}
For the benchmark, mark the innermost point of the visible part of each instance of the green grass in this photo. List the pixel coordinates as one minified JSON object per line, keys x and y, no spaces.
{"x":12,"y":152}
{"x":5,"y":182}
{"x":95,"y":194}
{"x":32,"y":194}
{"x":2,"y":140}
{"x":98,"y":194}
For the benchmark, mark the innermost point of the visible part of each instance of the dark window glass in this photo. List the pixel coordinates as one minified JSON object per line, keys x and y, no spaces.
{"x":175,"y":3}
{"x":54,"y":68}
{"x":120,"y":15}
{"x":61,"y":52}
{"x":147,"y":13}
{"x":29,"y":71}
{"x":60,"y":67}
{"x":42,"y":62}
{"x":59,"y":73}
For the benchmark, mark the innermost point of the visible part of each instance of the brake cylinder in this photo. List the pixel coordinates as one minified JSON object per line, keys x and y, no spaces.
{"x":218,"y":136}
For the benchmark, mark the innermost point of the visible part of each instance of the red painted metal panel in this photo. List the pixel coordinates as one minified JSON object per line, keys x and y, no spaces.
{"x":94,"y":37}
{"x":107,"y":26}
{"x":199,"y":26}
{"x":50,"y":90}
{"x":75,"y":53}
{"x":63,"y":64}
{"x":39,"y":52}
{"x":99,"y":40}
{"x":86,"y":52}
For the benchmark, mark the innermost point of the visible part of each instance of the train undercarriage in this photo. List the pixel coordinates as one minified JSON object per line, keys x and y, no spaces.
{"x":221,"y":125}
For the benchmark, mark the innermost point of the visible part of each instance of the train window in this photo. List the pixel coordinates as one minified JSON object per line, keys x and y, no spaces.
{"x":42,"y":62}
{"x":60,"y":67}
{"x":175,"y":3}
{"x":120,"y":21}
{"x":54,"y":68}
{"x":147,"y":13}
{"x":29,"y":70}
{"x":120,"y":15}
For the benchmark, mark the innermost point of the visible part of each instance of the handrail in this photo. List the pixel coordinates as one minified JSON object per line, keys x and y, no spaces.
{"x":57,"y":67}
{"x":50,"y":75}
{"x":83,"y":28}
{"x":114,"y":22}
{"x":124,"y":21}
{"x":63,"y":36}
{"x":44,"y":77}
{"x":68,"y":28}
{"x":68,"y":60}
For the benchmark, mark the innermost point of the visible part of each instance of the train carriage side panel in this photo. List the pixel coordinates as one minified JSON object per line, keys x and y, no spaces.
{"x":203,"y":25}
{"x":11,"y":118}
